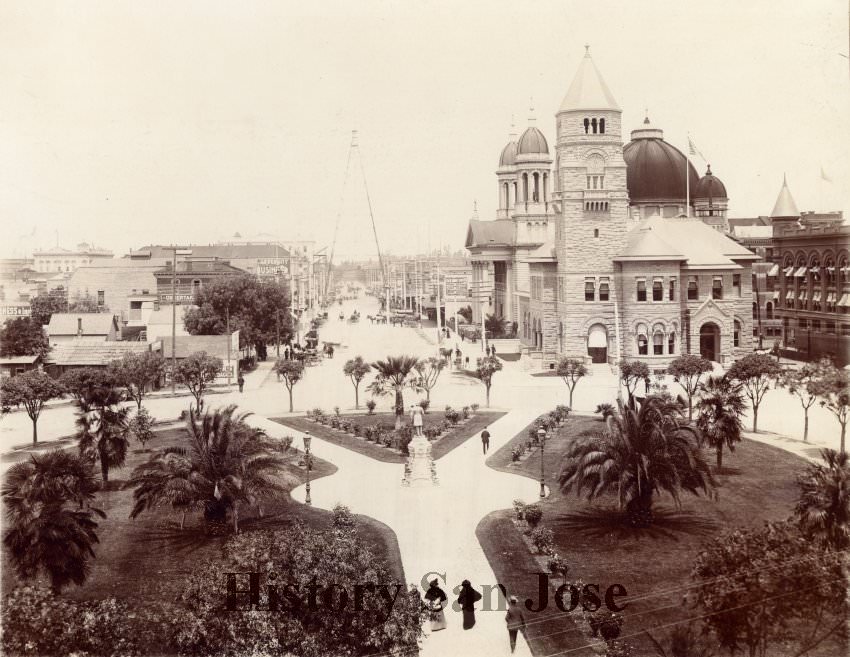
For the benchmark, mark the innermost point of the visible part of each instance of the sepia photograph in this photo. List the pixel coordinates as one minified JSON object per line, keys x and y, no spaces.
{"x":419,"y":328}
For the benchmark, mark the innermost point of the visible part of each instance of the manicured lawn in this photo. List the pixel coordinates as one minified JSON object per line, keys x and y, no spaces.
{"x":442,"y":446}
{"x":757,"y":484}
{"x":146,"y":559}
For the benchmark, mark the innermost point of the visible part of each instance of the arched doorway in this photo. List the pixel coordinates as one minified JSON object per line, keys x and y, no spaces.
{"x":597,"y":343}
{"x":709,"y":341}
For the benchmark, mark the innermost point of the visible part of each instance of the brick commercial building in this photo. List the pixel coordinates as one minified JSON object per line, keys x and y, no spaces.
{"x":598,"y":258}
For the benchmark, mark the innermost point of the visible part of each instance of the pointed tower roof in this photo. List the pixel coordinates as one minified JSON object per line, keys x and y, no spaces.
{"x":785,"y":206}
{"x":588,"y":90}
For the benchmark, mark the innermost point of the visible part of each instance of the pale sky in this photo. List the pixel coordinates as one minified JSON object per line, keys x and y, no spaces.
{"x":125,"y":123}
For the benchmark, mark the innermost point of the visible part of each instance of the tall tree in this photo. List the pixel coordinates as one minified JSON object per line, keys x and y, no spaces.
{"x":103,"y":430}
{"x":802,"y":383}
{"x":43,"y":306}
{"x":197,"y":372}
{"x":833,"y":389}
{"x":429,"y":370}
{"x":485,"y":368}
{"x":638,"y":454}
{"x":137,"y":372}
{"x":633,"y":372}
{"x":687,"y":370}
{"x":823,"y":510}
{"x":720,"y":407}
{"x":83,"y":382}
{"x":572,"y":370}
{"x":394,"y":374}
{"x":755,"y":372}
{"x":23,"y":336}
{"x":770,"y":591}
{"x":166,"y":479}
{"x":256,"y":308}
{"x":355,"y":369}
{"x":291,"y":371}
{"x":31,"y":390}
{"x":48,"y":529}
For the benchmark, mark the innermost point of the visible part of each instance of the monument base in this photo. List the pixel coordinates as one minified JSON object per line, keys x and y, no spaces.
{"x":420,"y":469}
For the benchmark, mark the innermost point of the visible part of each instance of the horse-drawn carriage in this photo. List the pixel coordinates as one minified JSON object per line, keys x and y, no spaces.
{"x":355,"y":317}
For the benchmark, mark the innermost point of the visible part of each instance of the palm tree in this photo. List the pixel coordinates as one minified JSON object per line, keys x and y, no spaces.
{"x":48,"y":528}
{"x":720,"y":407}
{"x":103,"y":431}
{"x":823,"y":510}
{"x":165,"y":480}
{"x":228,"y":463}
{"x":639,"y":453}
{"x":393,"y":377}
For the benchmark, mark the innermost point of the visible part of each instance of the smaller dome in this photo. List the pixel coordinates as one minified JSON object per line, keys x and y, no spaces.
{"x":710,"y":186}
{"x":532,"y":142}
{"x":508,"y":157}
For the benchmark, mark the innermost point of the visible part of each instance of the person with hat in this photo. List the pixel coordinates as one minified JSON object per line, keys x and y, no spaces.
{"x":436,"y":600}
{"x":485,"y":440}
{"x":515,"y":620}
{"x":467,"y":599}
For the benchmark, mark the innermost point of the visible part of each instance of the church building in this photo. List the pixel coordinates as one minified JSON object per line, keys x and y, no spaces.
{"x":596,"y":251}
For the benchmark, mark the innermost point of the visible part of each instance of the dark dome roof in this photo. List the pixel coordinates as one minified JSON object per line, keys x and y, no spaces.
{"x":656,"y":170}
{"x":532,"y":142}
{"x":709,"y":186}
{"x":508,"y":157}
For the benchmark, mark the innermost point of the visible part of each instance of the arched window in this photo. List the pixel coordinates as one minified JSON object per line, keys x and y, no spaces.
{"x":586,"y":125}
{"x":602,"y":126}
{"x":525,"y":187}
{"x":671,"y":342}
{"x":536,"y":194}
{"x":642,"y":340}
{"x":593,"y":124}
{"x":658,"y":344}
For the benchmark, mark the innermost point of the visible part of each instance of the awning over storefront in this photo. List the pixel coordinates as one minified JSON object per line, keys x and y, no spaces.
{"x":800,"y":272}
{"x":845,"y":300}
{"x":774,"y":271}
{"x":788,"y":271}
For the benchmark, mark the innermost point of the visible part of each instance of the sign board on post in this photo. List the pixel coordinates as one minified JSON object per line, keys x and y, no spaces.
{"x":457,"y":285}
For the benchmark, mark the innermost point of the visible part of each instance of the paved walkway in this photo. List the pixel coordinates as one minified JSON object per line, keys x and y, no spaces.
{"x":435,"y":526}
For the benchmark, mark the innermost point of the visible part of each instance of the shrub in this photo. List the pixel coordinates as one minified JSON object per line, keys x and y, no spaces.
{"x":533,"y":514}
{"x":425,"y":403}
{"x":343,"y":518}
{"x":370,"y":406}
{"x":519,"y":508}
{"x":465,"y":412}
{"x":563,"y":412}
{"x":368,"y":433}
{"x":516,"y":453}
{"x":557,"y":566}
{"x":542,"y":539}
{"x":475,"y":408}
{"x":334,"y":422}
{"x":336,"y":411}
{"x":286,"y":443}
{"x":448,"y":412}
{"x":606,"y":410}
{"x":142,"y":425}
{"x":345,"y":425}
{"x":357,"y":430}
{"x":387,"y":439}
{"x":453,"y":416}
{"x":317,"y":413}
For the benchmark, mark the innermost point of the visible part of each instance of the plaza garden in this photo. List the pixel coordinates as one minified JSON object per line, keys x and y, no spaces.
{"x":118,"y":539}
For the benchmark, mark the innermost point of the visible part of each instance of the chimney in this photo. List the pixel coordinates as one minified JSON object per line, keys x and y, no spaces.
{"x":79,"y":327}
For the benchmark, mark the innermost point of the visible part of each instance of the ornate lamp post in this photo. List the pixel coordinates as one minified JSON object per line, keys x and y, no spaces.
{"x":308,"y":461}
{"x":541,"y":436}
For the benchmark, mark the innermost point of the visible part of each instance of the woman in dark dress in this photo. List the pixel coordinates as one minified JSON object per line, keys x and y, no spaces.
{"x":467,"y":599}
{"x":436,"y":600}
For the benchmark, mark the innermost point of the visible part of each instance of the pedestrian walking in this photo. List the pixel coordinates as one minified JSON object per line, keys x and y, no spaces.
{"x":436,"y":600}
{"x":493,"y":351}
{"x":241,"y":381}
{"x":515,"y":621}
{"x":467,"y":599}
{"x":485,"y":440}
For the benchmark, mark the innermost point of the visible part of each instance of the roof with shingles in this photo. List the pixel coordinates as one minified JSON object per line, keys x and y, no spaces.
{"x":83,"y":353}
{"x":490,"y":233}
{"x":92,"y":323}
{"x":185,"y":345}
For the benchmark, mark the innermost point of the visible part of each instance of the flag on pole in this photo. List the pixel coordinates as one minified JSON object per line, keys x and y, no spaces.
{"x":693,"y":150}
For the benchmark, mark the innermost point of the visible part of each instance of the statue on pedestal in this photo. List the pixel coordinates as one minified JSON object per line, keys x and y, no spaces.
{"x":420,"y":469}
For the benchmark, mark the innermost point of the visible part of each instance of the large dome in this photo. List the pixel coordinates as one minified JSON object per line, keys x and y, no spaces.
{"x":508,"y":157}
{"x":532,"y":142}
{"x":710,"y":187}
{"x":656,"y":169}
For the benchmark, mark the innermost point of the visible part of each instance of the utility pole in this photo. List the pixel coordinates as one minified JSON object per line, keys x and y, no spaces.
{"x":175,"y":251}
{"x":439,"y":305}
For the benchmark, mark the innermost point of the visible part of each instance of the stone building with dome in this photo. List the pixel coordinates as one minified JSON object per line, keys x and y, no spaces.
{"x":594,"y":250}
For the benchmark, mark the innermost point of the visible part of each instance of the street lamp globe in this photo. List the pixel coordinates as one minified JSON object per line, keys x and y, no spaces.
{"x":307,"y":438}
